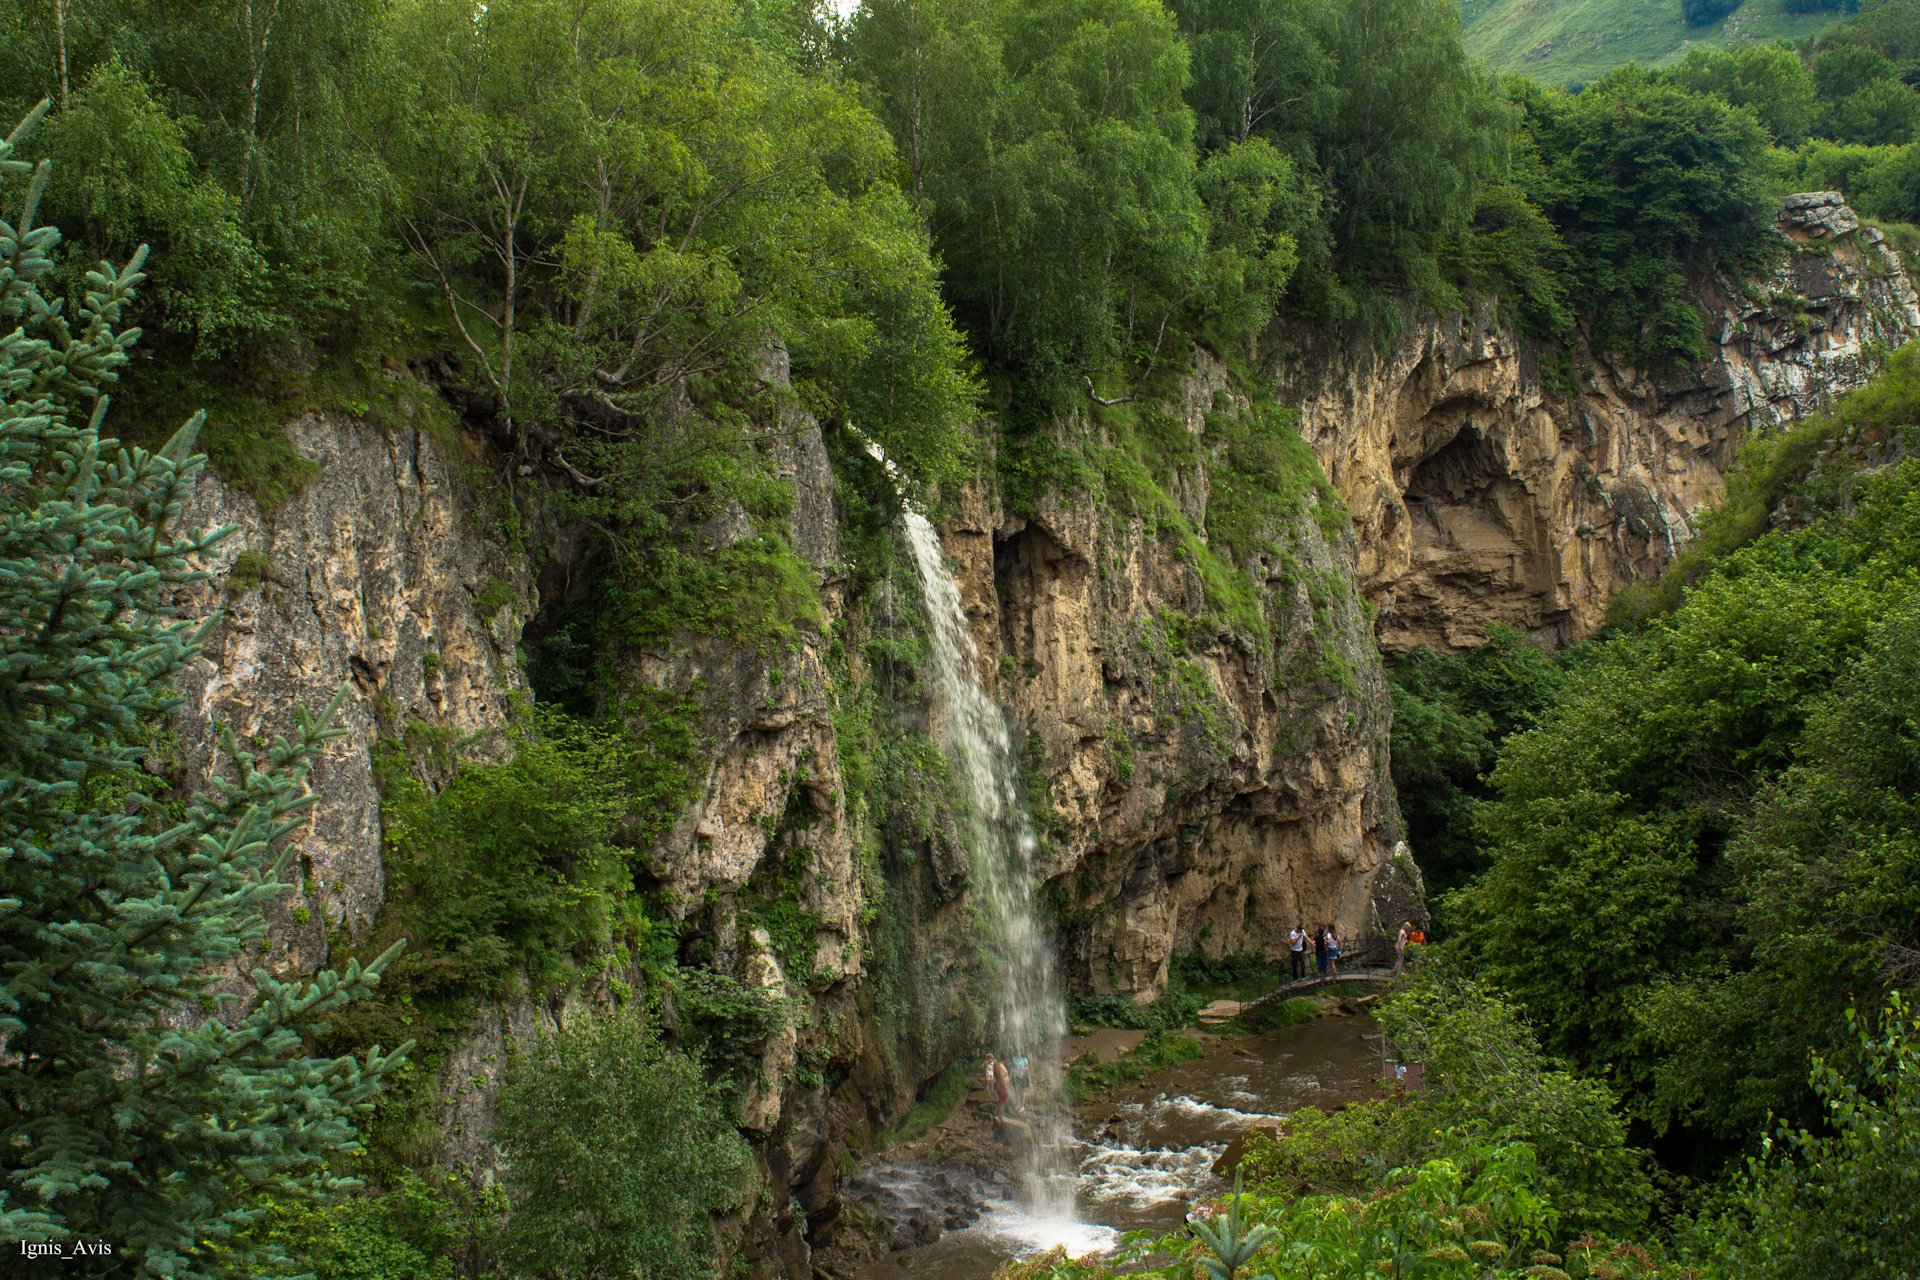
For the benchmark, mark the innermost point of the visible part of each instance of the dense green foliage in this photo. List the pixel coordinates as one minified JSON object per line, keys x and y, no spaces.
{"x":1647,"y":181}
{"x":599,"y":195}
{"x":1842,"y":1201}
{"x":618,"y":1150}
{"x":1842,"y":112}
{"x":410,"y":1233}
{"x":1052,"y":151}
{"x":215,"y":132}
{"x":520,"y":867}
{"x":606,"y":195}
{"x":1377,"y":103}
{"x":147,"y":1103}
{"x":1450,"y":715}
{"x":1706,"y":847}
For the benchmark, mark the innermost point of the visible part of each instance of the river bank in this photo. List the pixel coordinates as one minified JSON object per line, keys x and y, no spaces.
{"x":1142,"y":1154}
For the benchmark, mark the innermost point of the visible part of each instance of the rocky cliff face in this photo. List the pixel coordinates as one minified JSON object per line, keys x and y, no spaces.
{"x":1209,"y":779}
{"x":1484,"y":494}
{"x":389,"y":577}
{"x":1211,"y":784}
{"x":1204,"y":717}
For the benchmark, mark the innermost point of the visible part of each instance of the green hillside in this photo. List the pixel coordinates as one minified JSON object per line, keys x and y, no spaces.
{"x":1569,"y":42}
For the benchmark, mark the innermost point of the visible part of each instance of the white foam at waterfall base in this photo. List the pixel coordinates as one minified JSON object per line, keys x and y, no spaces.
{"x":1028,"y":1013}
{"x":1213,"y":1111}
{"x":1031,"y":1233}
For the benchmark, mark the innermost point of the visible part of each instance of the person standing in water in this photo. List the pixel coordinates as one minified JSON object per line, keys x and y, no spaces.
{"x":1020,"y":1081}
{"x":1297,"y":945}
{"x":1002,"y":1087}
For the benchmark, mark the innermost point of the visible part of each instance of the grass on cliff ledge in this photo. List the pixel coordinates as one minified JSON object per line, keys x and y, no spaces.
{"x":934,"y":1106}
{"x":249,"y":404}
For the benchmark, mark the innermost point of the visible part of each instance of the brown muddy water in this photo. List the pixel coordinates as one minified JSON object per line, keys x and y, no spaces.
{"x":1143,"y":1153}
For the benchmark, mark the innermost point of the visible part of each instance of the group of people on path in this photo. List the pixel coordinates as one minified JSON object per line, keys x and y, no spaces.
{"x":1326,"y":950}
{"x":1009,"y":1081}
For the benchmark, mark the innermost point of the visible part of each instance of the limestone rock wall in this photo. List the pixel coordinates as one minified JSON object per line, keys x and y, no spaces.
{"x":1209,"y":788}
{"x":1483,"y":495}
{"x":386,"y":576}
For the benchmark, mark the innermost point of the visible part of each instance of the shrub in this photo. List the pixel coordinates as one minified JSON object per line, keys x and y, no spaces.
{"x":617,"y":1151}
{"x":1846,"y":1202}
{"x":519,"y":864}
{"x":407,"y":1232}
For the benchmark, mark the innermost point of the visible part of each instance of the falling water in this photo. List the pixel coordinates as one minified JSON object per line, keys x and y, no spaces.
{"x":1028,"y":1014}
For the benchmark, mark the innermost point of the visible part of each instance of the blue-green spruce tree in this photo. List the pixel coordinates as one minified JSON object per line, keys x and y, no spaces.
{"x":142,"y":1105}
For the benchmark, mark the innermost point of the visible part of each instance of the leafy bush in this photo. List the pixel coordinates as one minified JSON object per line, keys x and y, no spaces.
{"x":1176,"y":1008}
{"x":1488,"y":1082}
{"x":407,"y":1231}
{"x":134,"y":180}
{"x":1488,"y":1087}
{"x":1704,"y":13}
{"x":617,"y":1151}
{"x":517,"y":865}
{"x":1450,"y":715}
{"x":1843,"y":1202}
{"x":1767,"y":79}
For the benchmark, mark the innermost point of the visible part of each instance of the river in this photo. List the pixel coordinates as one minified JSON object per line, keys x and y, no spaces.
{"x":1143,"y":1152}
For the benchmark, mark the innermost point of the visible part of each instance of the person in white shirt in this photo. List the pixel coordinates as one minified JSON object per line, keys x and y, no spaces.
{"x":1297,"y":941}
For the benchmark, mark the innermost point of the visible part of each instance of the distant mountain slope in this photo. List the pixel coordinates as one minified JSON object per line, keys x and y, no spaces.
{"x":1574,"y":41}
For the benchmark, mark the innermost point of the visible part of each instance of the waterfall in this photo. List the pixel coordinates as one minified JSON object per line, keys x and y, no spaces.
{"x":1029,"y":1016}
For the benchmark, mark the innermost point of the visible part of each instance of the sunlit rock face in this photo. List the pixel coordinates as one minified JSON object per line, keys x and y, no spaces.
{"x":1489,"y":489}
{"x":385,"y":579}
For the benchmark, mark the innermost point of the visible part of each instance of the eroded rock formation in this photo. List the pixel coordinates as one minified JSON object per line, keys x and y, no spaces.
{"x":1483,"y":493}
{"x":1210,"y":787}
{"x":388,"y":576}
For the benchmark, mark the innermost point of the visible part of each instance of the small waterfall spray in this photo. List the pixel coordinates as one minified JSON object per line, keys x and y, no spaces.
{"x":1029,"y":1013}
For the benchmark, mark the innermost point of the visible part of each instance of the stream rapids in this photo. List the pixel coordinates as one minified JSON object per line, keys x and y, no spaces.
{"x":1142,"y":1154}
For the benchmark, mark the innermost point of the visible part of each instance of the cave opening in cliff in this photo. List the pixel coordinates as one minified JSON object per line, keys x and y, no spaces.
{"x":1461,"y":469}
